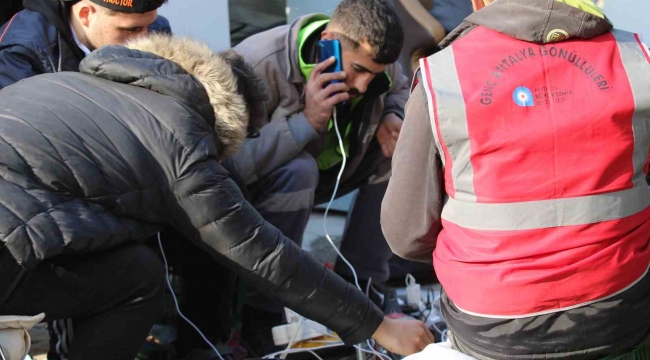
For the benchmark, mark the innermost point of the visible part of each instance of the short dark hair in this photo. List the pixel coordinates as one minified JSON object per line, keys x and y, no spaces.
{"x":371,"y":21}
{"x":250,"y":87}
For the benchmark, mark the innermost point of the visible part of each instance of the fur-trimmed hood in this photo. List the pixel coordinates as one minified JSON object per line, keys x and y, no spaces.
{"x":185,"y":69}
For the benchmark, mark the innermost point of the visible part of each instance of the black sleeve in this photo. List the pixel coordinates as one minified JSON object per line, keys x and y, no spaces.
{"x":211,"y":210}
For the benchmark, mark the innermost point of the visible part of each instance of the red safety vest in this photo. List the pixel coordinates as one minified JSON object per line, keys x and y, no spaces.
{"x":545,"y":154}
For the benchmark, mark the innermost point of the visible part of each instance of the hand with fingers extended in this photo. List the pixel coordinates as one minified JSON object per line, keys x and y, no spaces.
{"x":320,"y":98}
{"x":403,"y":336}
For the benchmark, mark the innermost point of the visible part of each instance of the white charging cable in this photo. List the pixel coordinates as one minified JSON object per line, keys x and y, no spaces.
{"x":293,"y":339}
{"x":169,"y":285}
{"x":327,"y":235}
{"x":443,"y":333}
{"x":336,"y":189}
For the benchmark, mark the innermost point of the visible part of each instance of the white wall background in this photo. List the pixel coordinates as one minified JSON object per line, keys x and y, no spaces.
{"x":630,"y":15}
{"x":206,"y":20}
{"x":296,"y":8}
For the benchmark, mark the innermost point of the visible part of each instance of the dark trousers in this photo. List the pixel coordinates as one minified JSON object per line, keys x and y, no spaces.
{"x":286,"y":196}
{"x":208,"y":290}
{"x":112,"y":298}
{"x":364,"y":245}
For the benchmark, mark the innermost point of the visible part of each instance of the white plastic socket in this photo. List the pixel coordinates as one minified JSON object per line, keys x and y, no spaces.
{"x":283,"y":334}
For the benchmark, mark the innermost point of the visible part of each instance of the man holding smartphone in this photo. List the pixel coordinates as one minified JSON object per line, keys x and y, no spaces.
{"x":294,"y":162}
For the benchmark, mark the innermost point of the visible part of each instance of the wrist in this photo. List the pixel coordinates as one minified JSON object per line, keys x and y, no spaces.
{"x":381,"y":330}
{"x":318,"y":124}
{"x":302,"y":130}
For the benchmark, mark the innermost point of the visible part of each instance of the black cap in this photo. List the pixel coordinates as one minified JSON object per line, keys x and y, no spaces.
{"x":130,"y":6}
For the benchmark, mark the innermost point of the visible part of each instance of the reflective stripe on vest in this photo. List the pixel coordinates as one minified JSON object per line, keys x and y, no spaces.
{"x":545,"y":150}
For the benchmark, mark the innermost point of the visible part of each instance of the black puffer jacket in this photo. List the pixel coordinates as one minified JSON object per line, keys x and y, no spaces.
{"x":90,"y":162}
{"x":38,"y":40}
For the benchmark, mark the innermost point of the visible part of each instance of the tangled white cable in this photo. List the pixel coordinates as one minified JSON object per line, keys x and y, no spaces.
{"x":327,"y":235}
{"x":169,"y":285}
{"x":288,"y":350}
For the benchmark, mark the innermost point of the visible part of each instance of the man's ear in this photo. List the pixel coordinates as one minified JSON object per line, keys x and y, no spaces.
{"x":83,"y":11}
{"x":478,"y":4}
{"x":326,"y":35}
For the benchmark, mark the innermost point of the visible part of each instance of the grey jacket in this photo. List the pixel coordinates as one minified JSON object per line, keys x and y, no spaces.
{"x":112,"y":155}
{"x":285,"y":130}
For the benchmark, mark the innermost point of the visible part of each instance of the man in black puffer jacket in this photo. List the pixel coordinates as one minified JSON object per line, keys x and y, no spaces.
{"x":55,"y":35}
{"x":92,"y":163}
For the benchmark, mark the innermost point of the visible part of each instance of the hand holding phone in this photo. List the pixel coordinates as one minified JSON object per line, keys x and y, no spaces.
{"x":324,"y":90}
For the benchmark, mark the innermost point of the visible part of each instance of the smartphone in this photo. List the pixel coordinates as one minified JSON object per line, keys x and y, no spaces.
{"x":327,"y":49}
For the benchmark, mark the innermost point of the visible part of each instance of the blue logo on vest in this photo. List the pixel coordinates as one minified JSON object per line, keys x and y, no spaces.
{"x":523,"y":96}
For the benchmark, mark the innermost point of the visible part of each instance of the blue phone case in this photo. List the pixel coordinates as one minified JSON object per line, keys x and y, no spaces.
{"x":327,"y":49}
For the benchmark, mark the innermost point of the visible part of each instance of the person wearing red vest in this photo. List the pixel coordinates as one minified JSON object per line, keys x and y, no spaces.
{"x":521,"y":167}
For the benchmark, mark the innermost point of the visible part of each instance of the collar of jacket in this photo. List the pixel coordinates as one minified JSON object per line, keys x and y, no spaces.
{"x":56,"y":14}
{"x":308,"y":37}
{"x":540,"y":21}
{"x":292,"y":46}
{"x":194,"y":75}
